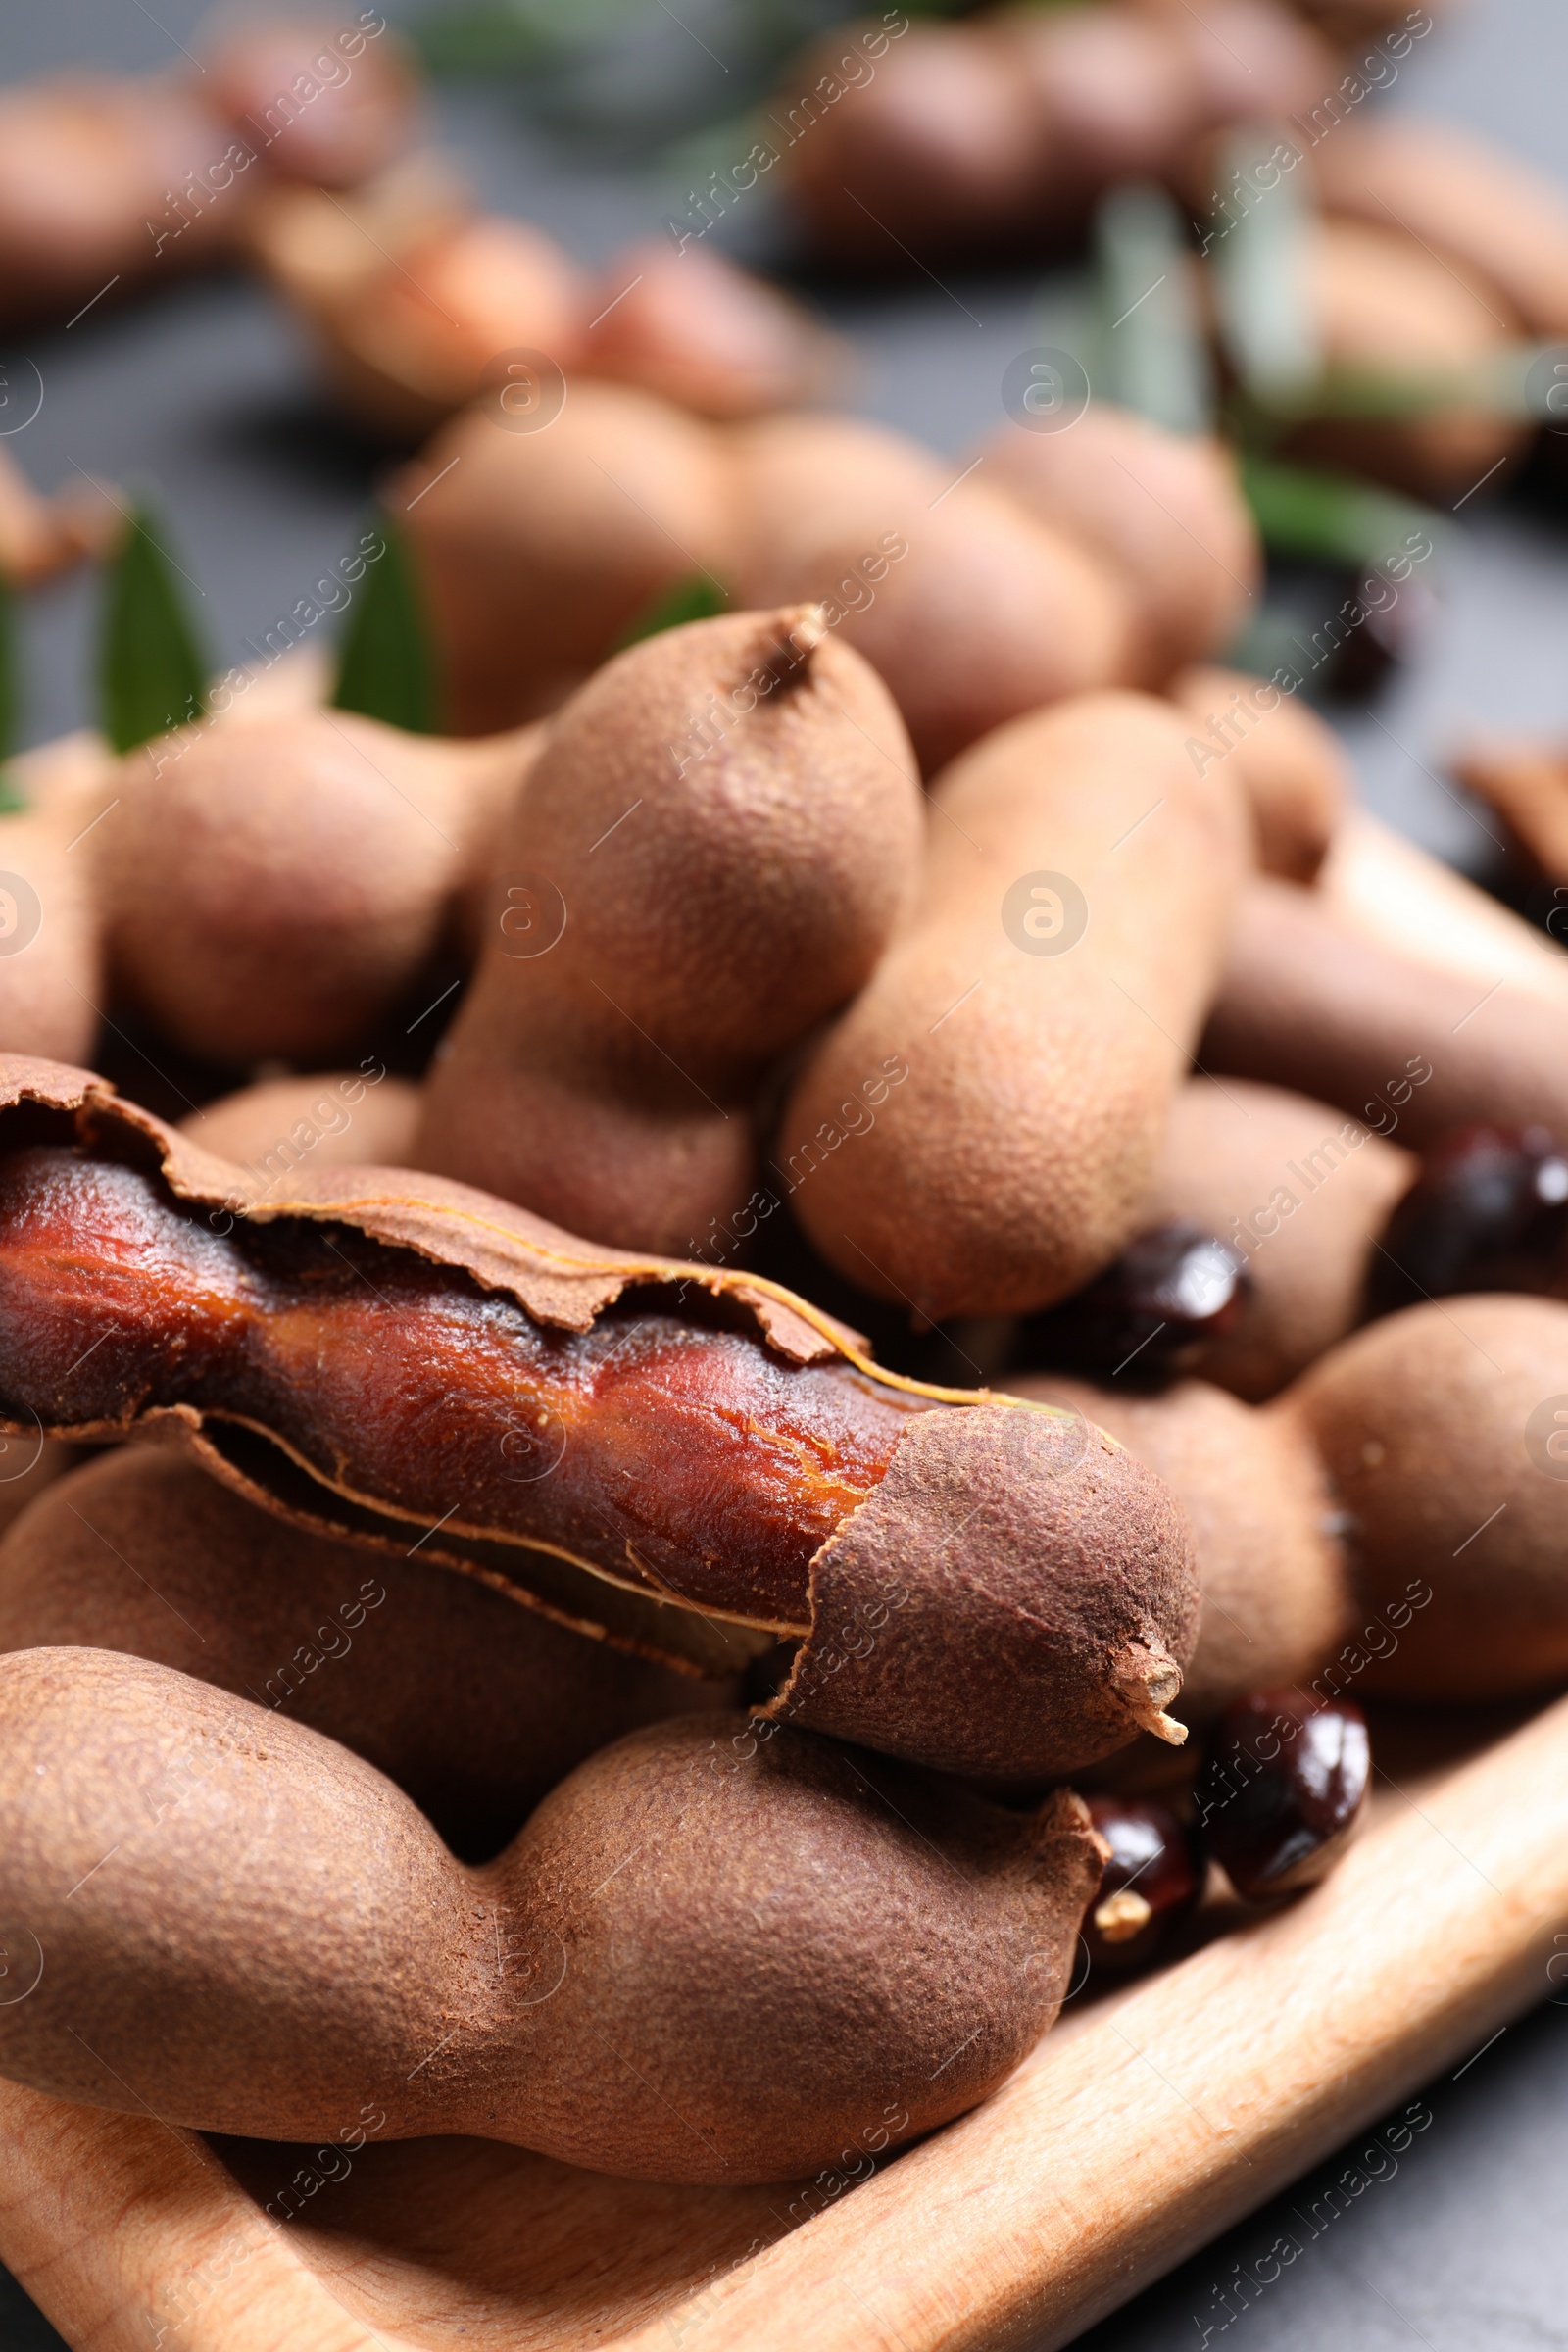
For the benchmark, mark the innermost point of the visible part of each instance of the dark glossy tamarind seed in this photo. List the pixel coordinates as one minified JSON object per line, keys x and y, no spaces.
{"x":1489,"y":1211}
{"x":1152,"y":1880}
{"x":1282,"y":1789}
{"x":1171,"y":1289}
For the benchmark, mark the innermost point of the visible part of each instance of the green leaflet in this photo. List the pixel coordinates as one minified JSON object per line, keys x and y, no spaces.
{"x":1152,"y":356}
{"x":152,"y":674}
{"x":1261,"y":275}
{"x":698,"y":597}
{"x":1332,"y":516}
{"x":387,"y":667}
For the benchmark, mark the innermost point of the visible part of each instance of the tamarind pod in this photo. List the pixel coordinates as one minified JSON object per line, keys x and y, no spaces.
{"x":1303,"y":1194}
{"x":1290,"y":761}
{"x":537,"y":551}
{"x":51,"y":954}
{"x":1277,"y":1597}
{"x":370,"y":1352}
{"x":1253,"y":60}
{"x":687,"y":322}
{"x":362,"y":111}
{"x":707,"y":1957}
{"x":1310,"y":1003}
{"x":272,"y":889}
{"x":1390,"y":890}
{"x":337,"y":1119}
{"x":1526,"y":784}
{"x":1162,"y":511}
{"x":1117,"y":92}
{"x":1503,"y":223}
{"x":1442,"y":1431}
{"x":971,"y":611}
{"x":1012,"y":1161}
{"x":724,"y":828}
{"x":40,"y":537}
{"x":476,"y":1709}
{"x":1384,"y":303}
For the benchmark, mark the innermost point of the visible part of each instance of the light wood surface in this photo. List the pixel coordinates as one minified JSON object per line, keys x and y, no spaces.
{"x":1137,"y":2131}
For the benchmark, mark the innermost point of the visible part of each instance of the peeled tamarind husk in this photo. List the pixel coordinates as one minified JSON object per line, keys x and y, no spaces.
{"x":1411,"y":1048}
{"x":1078,"y":890}
{"x":1502,"y":224}
{"x":1290,"y":762}
{"x":1276,"y":1597}
{"x":1386,"y":305}
{"x":476,"y":1709}
{"x":1163,"y":509}
{"x":538,"y":549}
{"x":337,"y":1119}
{"x":705,"y":1958}
{"x":272,"y":889}
{"x":1303,"y":1194}
{"x":1442,"y":1429}
{"x":684,"y":1460}
{"x":971,"y":610}
{"x":725,"y":825}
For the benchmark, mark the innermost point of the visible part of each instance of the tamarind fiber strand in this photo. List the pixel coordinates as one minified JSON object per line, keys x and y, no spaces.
{"x":655,"y":1453}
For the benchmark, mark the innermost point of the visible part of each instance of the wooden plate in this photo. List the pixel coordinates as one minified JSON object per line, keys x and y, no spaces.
{"x":1138,"y":2130}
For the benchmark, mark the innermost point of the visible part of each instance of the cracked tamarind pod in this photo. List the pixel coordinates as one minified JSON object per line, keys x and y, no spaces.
{"x":717,"y":839}
{"x":272,"y":888}
{"x":474,"y":1707}
{"x":708,"y":1956}
{"x":686,"y":1461}
{"x":1079,"y":882}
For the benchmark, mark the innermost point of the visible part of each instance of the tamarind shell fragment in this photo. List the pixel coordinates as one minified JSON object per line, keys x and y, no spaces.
{"x":707,"y":1957}
{"x":1050,"y":1591}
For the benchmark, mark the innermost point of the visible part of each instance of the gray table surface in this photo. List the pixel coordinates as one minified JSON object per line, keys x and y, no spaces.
{"x":203,"y":395}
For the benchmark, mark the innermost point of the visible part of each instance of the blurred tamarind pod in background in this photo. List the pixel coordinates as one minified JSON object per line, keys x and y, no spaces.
{"x":687,"y":1461}
{"x":970,"y":609}
{"x":337,"y":1119}
{"x":724,"y":830}
{"x":1163,"y":511}
{"x":40,"y":536}
{"x":474,"y":1707}
{"x":1005,"y":130}
{"x":1079,"y":887}
{"x":1311,"y":1003}
{"x":779,"y":1938}
{"x":1290,"y":762}
{"x":1526,"y":784}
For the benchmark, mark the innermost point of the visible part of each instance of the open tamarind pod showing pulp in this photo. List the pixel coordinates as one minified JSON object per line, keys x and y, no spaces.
{"x":707,"y":1957}
{"x":1079,"y":885}
{"x":722,"y":831}
{"x":474,"y":1707}
{"x":683,"y":1460}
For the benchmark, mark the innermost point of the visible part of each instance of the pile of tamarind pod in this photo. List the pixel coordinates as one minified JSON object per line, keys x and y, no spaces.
{"x":978,"y":591}
{"x":111,"y":185}
{"x":417,"y":305}
{"x":1005,"y":130}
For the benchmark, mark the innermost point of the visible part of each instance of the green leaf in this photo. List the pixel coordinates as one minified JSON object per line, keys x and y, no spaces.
{"x":387,"y":667}
{"x":1332,"y":516}
{"x":10,"y":697}
{"x":1153,"y":358}
{"x":152,"y":674}
{"x":698,"y":597}
{"x":1261,"y":268}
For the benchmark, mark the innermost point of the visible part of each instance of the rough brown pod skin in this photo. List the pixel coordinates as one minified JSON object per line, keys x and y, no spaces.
{"x":272,"y":889}
{"x":724,"y":829}
{"x":1303,"y":1192}
{"x":1276,"y":1594}
{"x":1437,"y":1427}
{"x":1003,"y":131}
{"x":1504,"y":224}
{"x":688,"y":1481}
{"x":336,"y":1119}
{"x":539,"y":549}
{"x":1012,"y":1163}
{"x":1162,"y":511}
{"x":1308,"y":1003}
{"x":971,"y":610}
{"x":783,"y":1945}
{"x":476,"y":1709}
{"x":1290,"y":761}
{"x":1386,"y":305}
